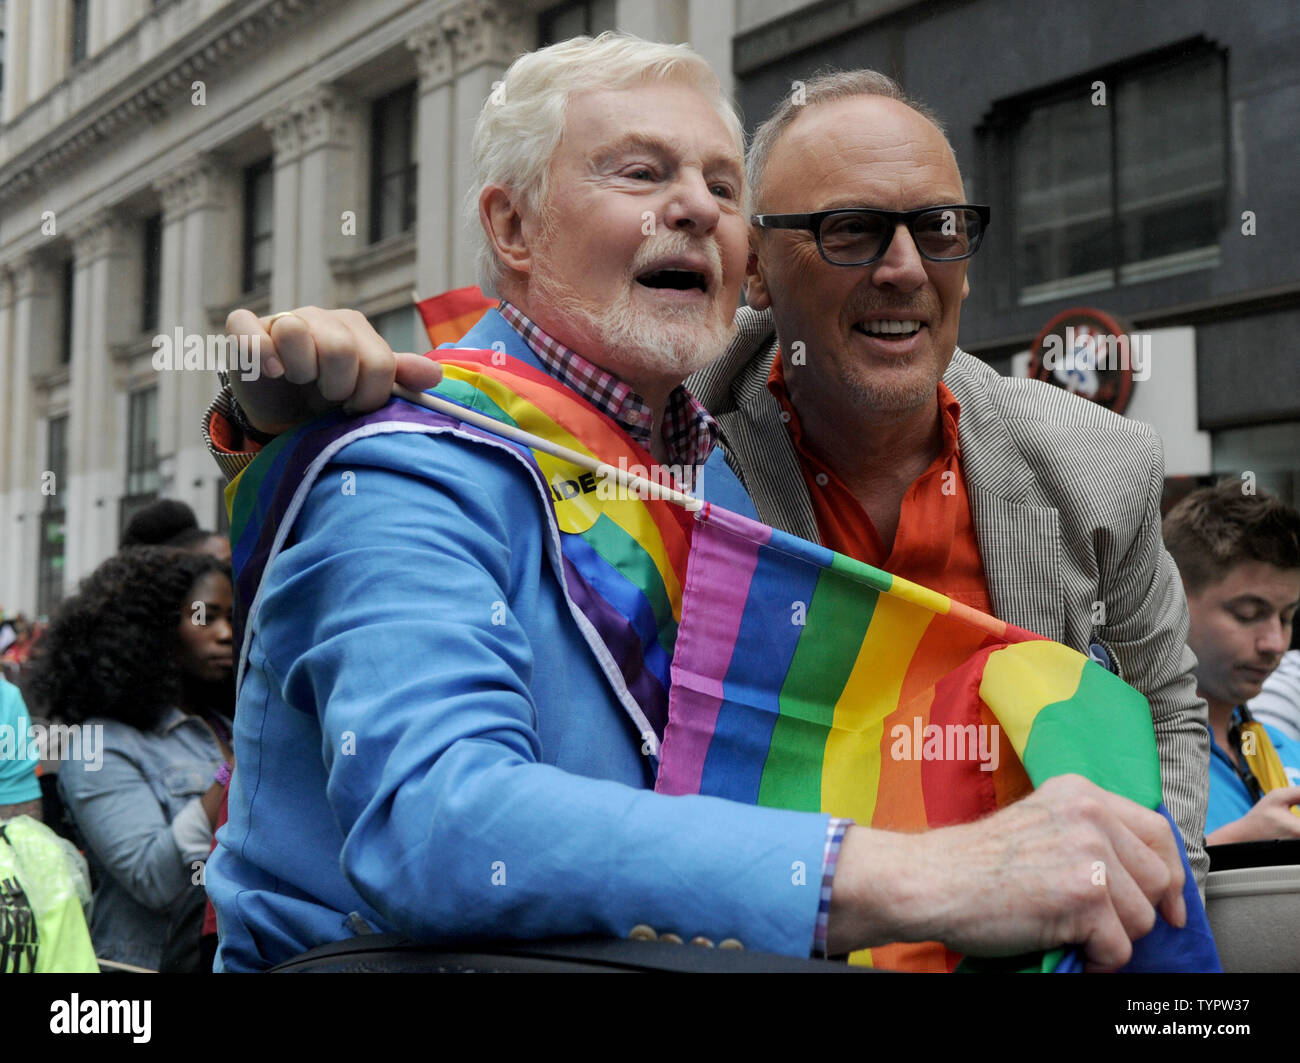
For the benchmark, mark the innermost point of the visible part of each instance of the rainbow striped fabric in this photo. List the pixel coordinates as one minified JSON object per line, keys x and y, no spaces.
{"x":447,"y":317}
{"x":623,"y":558}
{"x":806,"y":680}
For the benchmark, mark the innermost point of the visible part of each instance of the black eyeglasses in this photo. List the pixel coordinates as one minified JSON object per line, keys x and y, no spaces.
{"x":859,"y":236}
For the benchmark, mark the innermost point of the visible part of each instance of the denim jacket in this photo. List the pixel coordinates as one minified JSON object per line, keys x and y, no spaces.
{"x":144,"y":828}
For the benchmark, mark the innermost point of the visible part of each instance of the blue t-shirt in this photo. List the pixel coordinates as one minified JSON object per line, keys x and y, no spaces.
{"x":18,"y":754}
{"x":1229,"y":798}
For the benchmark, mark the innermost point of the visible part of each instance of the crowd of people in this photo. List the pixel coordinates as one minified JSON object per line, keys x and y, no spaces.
{"x":138,"y":665}
{"x":423,"y":699}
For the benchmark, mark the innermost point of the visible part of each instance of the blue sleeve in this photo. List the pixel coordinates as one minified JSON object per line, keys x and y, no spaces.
{"x":384,"y":621}
{"x":18,"y":756}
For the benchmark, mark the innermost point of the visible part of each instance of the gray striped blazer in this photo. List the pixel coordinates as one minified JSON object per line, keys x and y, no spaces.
{"x":1065,"y":497}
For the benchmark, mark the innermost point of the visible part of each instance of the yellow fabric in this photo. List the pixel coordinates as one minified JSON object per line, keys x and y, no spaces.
{"x":1262,"y":759}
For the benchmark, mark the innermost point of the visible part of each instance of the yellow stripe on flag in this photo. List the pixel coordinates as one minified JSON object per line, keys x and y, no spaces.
{"x":631,"y":514}
{"x":851,"y":766}
{"x":1022,"y":678}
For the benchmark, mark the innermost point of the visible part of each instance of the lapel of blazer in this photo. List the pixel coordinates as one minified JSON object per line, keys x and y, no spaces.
{"x":758,"y":445}
{"x":1018,"y":529}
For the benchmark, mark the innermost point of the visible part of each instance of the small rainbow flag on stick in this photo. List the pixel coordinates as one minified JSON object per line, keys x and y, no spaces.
{"x":804,"y":679}
{"x":447,"y":317}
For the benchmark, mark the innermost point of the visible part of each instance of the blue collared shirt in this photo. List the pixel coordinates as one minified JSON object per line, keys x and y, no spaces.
{"x":1229,"y":797}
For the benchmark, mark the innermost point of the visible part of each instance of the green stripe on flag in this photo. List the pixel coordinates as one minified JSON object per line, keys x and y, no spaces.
{"x":1104,"y":733}
{"x":836,"y":622}
{"x":468,"y":395}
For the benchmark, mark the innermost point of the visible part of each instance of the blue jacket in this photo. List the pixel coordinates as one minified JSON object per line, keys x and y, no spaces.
{"x":425,"y":740}
{"x":136,"y":802}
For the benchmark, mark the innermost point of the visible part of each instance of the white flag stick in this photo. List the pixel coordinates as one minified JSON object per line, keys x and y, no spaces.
{"x":644,"y":488}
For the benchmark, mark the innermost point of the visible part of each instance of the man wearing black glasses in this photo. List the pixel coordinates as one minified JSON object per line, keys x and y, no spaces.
{"x":853,"y":418}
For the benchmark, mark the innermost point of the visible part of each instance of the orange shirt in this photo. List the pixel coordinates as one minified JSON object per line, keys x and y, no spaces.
{"x":935,"y":546}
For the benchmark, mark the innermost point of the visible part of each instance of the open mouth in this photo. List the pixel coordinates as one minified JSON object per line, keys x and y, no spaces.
{"x":682,"y":280}
{"x":889,"y":329}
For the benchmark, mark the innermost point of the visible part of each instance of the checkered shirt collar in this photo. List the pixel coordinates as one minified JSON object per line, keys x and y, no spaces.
{"x":689,"y":432}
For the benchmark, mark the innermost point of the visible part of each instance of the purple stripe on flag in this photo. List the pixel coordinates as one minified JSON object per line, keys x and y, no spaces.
{"x":624,"y":646}
{"x":709,"y":638}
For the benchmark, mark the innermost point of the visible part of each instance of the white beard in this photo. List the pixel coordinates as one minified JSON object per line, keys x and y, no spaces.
{"x":631,"y":338}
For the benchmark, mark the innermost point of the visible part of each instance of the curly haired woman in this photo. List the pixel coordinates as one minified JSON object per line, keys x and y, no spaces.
{"x":144,"y":651}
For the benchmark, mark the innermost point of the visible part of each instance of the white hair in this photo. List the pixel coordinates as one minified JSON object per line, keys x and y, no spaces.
{"x":520,"y":125}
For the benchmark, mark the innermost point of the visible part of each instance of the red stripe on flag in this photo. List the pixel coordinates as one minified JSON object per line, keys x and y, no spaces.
{"x":447,"y":317}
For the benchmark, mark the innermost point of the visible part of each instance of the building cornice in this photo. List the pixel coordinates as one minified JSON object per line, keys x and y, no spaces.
{"x":197,"y":182}
{"x":395,"y":249}
{"x":103,"y":234}
{"x":152,"y":88}
{"x":485,"y":31}
{"x":32,"y":275}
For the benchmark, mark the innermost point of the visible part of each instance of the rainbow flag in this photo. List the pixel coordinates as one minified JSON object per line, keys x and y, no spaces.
{"x":447,"y":317}
{"x":622,"y":558}
{"x":806,"y":680}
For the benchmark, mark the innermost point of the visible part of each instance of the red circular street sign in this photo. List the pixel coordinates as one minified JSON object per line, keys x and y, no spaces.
{"x":1086,"y":351}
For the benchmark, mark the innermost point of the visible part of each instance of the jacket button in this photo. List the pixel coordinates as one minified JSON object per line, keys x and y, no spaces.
{"x":730,"y":943}
{"x":702,"y":941}
{"x":641,"y":932}
{"x":671,"y":939}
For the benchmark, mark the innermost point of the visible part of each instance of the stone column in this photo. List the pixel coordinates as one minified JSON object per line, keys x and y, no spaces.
{"x":709,"y":30}
{"x":327,"y":186}
{"x":436,"y":214}
{"x":16,"y":59}
{"x":200,"y":267}
{"x":663,"y":21}
{"x":98,"y":17}
{"x":486,"y":36}
{"x":106,"y":293}
{"x":286,"y":142}
{"x":8,"y":526}
{"x":35,"y":336}
{"x":47,"y":52}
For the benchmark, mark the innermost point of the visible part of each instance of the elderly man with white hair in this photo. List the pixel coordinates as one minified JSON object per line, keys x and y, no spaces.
{"x":431,"y":741}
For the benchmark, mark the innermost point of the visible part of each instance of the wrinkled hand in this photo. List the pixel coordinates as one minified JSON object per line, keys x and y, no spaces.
{"x":1270,"y":818}
{"x":1071,"y":864}
{"x":315,"y":360}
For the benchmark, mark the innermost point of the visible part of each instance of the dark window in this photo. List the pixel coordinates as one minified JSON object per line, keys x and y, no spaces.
{"x":259,"y":212}
{"x":393,"y":160}
{"x":584,"y":18}
{"x":49,"y":574}
{"x":65,"y":323}
{"x":142,"y":476}
{"x":56,"y":461}
{"x":1122,"y":191}
{"x":152,"y":273}
{"x":80,"y":26}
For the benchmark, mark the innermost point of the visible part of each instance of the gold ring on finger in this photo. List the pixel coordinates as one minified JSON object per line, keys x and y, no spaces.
{"x":276,"y":317}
